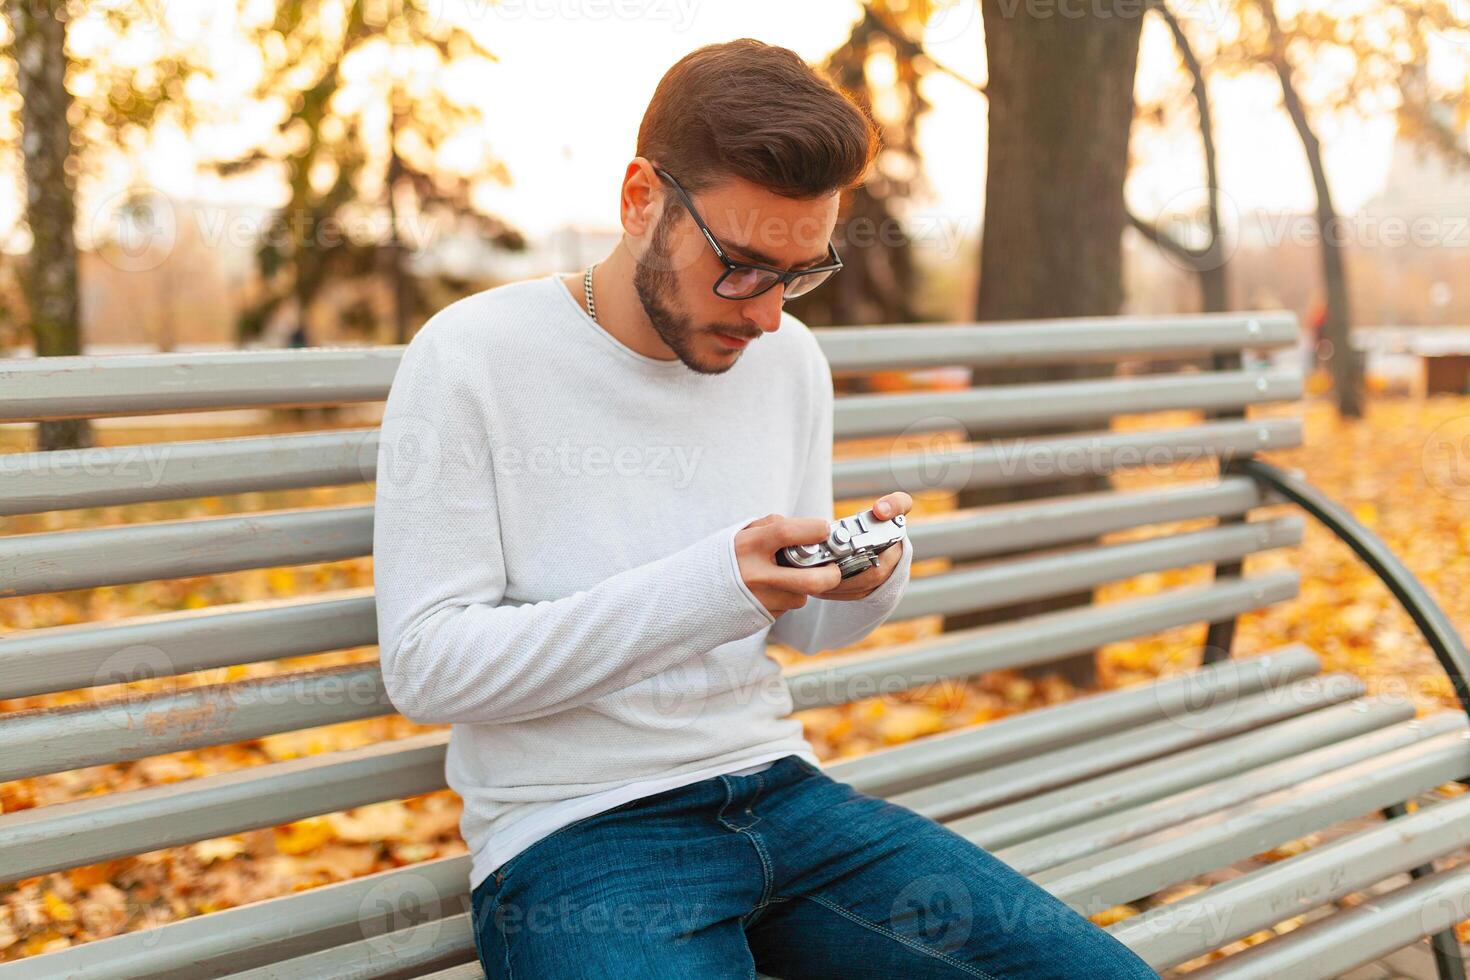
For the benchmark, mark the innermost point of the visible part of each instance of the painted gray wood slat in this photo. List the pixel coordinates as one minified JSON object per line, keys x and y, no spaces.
{"x":1138,"y":788}
{"x":1023,"y":461}
{"x":1202,"y":794}
{"x":57,"y":561}
{"x":1380,"y":925}
{"x":99,"y":828}
{"x":1034,"y":640}
{"x":106,"y":476}
{"x":91,"y":386}
{"x":95,"y":829}
{"x":1175,"y":933}
{"x":948,"y":755}
{"x":1143,"y":866}
{"x":263,"y":932}
{"x":1004,"y":528}
{"x":956,"y":797}
{"x":47,"y":740}
{"x":1005,"y":408}
{"x":65,"y":658}
{"x":217,"y":938}
{"x":1002,"y":583}
{"x":139,"y":384}
{"x":1013,"y":344}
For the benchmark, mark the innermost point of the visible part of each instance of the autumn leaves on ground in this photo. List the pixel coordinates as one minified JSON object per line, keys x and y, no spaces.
{"x":1404,"y":471}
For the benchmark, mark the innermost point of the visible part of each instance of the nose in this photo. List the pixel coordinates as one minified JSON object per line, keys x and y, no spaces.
{"x":764,"y":311}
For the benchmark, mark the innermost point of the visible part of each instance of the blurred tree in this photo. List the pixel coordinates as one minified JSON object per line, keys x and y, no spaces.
{"x":1209,"y":258}
{"x":878,"y":281}
{"x":74,"y":104}
{"x":1269,"y":46}
{"x":1060,"y":95}
{"x":367,"y":107}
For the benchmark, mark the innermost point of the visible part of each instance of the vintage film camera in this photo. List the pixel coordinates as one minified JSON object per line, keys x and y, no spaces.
{"x":854,"y":543}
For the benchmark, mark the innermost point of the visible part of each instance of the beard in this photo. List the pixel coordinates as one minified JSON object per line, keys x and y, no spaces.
{"x":657,"y":286}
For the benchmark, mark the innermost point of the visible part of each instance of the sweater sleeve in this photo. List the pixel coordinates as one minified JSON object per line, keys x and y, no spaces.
{"x":451,"y":649}
{"x":826,"y":624}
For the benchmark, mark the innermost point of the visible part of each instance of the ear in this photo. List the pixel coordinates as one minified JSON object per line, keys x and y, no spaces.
{"x":640,"y":204}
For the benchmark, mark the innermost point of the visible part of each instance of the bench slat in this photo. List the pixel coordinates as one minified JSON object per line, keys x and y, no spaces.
{"x":1146,"y":865}
{"x":45,"y":740}
{"x":1042,"y":460}
{"x":1035,"y":640}
{"x":58,"y":561}
{"x":1176,"y":933}
{"x":1379,"y":926}
{"x":1026,"y":777}
{"x":425,"y":944}
{"x":1002,"y":583}
{"x":296,"y":918}
{"x":363,"y":959}
{"x":1004,"y":528}
{"x":65,"y":658}
{"x":1030,"y":342}
{"x":266,"y":931}
{"x":1006,"y":408}
{"x":99,"y":828}
{"x":92,"y":386}
{"x":107,"y":476}
{"x":95,"y":386}
{"x":949,"y":754}
{"x":1185,"y":772}
{"x":1205,"y":796}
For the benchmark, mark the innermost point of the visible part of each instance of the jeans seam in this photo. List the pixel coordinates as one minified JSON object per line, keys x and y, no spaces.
{"x":504,"y":939}
{"x":766,"y":873}
{"x":902,"y":940}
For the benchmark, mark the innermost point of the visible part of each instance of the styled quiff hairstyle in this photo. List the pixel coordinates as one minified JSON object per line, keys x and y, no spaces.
{"x":756,"y":111}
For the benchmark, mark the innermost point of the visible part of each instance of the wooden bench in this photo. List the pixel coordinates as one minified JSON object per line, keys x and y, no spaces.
{"x":1103,"y":800}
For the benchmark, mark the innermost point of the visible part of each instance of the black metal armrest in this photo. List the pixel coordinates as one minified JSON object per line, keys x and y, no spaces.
{"x":1440,"y":633}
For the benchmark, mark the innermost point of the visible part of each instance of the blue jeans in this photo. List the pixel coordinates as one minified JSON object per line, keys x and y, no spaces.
{"x":787,"y":872}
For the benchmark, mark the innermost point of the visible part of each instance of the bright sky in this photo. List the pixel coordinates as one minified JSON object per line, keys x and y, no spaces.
{"x":563,"y":104}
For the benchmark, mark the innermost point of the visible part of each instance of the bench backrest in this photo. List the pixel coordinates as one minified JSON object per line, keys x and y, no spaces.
{"x":998,"y":556}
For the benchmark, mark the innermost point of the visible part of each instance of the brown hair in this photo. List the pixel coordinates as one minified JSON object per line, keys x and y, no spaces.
{"x":755,"y":111}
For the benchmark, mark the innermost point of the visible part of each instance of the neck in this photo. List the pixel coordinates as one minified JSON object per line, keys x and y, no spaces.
{"x":619,"y":310}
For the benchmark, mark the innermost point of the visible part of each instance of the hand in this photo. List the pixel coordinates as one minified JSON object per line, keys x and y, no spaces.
{"x":779,"y":588}
{"x":860,"y":586}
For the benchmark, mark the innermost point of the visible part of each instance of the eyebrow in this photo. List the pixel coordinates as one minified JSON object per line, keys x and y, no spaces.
{"x":765,"y":259}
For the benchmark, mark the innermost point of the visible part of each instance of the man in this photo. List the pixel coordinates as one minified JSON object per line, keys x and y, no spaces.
{"x":582,"y":484}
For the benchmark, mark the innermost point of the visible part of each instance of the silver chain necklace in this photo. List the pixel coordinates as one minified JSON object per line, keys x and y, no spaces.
{"x":587,"y":291}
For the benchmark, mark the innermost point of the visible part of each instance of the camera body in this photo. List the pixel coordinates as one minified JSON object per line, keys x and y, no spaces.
{"x":854,"y":543}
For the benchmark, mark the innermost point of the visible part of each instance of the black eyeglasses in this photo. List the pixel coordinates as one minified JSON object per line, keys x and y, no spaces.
{"x":747,"y":280}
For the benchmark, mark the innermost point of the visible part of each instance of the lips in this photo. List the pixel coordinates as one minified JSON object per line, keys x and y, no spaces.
{"x":730,"y":341}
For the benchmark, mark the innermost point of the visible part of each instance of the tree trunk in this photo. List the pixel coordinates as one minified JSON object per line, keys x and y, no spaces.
{"x":1061,"y":109}
{"x":49,"y":276}
{"x":1342,"y":360}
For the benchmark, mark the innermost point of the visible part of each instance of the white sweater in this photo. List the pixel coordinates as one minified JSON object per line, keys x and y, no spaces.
{"x":555,"y":566}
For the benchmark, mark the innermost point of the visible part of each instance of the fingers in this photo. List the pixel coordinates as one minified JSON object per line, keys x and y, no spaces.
{"x":898,"y":502}
{"x":772,"y":533}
